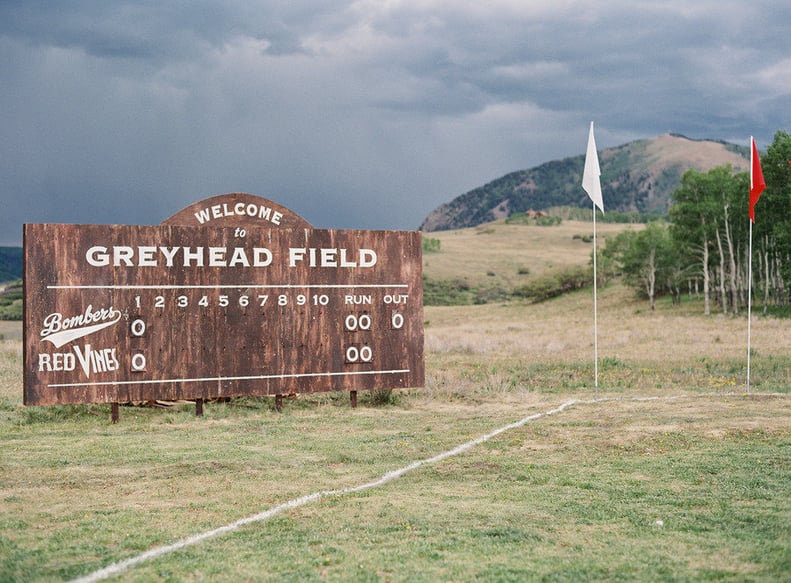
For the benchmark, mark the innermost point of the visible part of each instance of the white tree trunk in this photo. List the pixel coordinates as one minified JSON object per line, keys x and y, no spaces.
{"x":651,"y":278}
{"x":706,"y":280}
{"x":766,"y":280}
{"x":723,"y":295}
{"x":729,"y":241}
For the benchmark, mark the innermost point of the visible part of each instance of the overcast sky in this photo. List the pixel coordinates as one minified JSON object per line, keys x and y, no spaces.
{"x":357,"y":114}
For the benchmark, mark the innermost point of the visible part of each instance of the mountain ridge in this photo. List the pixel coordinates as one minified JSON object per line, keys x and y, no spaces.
{"x":638,"y":176}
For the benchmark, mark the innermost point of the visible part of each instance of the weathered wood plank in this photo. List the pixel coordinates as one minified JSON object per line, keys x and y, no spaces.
{"x":172,"y":312}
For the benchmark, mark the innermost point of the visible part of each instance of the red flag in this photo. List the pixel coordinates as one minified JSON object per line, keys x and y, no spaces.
{"x":757,"y":183}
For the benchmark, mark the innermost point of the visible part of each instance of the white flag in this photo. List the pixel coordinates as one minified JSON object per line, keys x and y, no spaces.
{"x":591,"y":174}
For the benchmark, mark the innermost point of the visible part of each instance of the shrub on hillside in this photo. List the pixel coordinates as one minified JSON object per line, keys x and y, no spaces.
{"x":11,"y":302}
{"x":447,"y":292}
{"x":556,"y":284}
{"x":11,"y":311}
{"x":431,"y":245}
{"x":541,"y":221}
{"x":539,"y":289}
{"x":548,"y":221}
{"x":490,"y":295}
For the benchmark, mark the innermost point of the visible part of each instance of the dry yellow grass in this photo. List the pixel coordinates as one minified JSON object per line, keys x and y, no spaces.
{"x":502,"y":250}
{"x":10,"y":330}
{"x":562,"y":330}
{"x":674,"y":346}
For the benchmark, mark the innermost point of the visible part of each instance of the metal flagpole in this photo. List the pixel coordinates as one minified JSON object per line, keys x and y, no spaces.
{"x":595,"y":310}
{"x":591,"y":183}
{"x":749,"y":303}
{"x":757,"y":186}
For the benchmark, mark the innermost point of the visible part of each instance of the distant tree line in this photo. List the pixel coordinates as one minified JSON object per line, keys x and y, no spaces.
{"x":704,"y":250}
{"x":611,"y":216}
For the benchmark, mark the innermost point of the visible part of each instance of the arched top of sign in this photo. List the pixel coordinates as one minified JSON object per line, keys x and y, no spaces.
{"x":237,"y":209}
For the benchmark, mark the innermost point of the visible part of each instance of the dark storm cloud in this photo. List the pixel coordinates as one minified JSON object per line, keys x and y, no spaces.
{"x":151,"y":31}
{"x":363,"y":114}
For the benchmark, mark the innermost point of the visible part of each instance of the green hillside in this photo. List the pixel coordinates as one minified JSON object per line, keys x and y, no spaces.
{"x":10,"y":263}
{"x":636,"y":177}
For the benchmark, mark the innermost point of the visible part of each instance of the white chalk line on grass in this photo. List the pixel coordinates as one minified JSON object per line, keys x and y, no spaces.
{"x":155,"y":553}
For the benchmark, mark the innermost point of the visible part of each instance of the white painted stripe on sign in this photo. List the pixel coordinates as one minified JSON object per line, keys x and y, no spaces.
{"x":241,"y":286}
{"x":247,"y":378}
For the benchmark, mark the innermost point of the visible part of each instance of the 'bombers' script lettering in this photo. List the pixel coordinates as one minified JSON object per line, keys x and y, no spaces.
{"x":153,"y":256}
{"x":60,"y":330}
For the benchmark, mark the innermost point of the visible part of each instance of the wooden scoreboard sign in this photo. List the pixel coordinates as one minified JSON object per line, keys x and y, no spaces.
{"x":248,"y":300}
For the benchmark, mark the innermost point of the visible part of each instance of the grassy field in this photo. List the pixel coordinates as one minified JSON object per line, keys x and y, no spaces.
{"x":669,"y":472}
{"x":503,"y":254}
